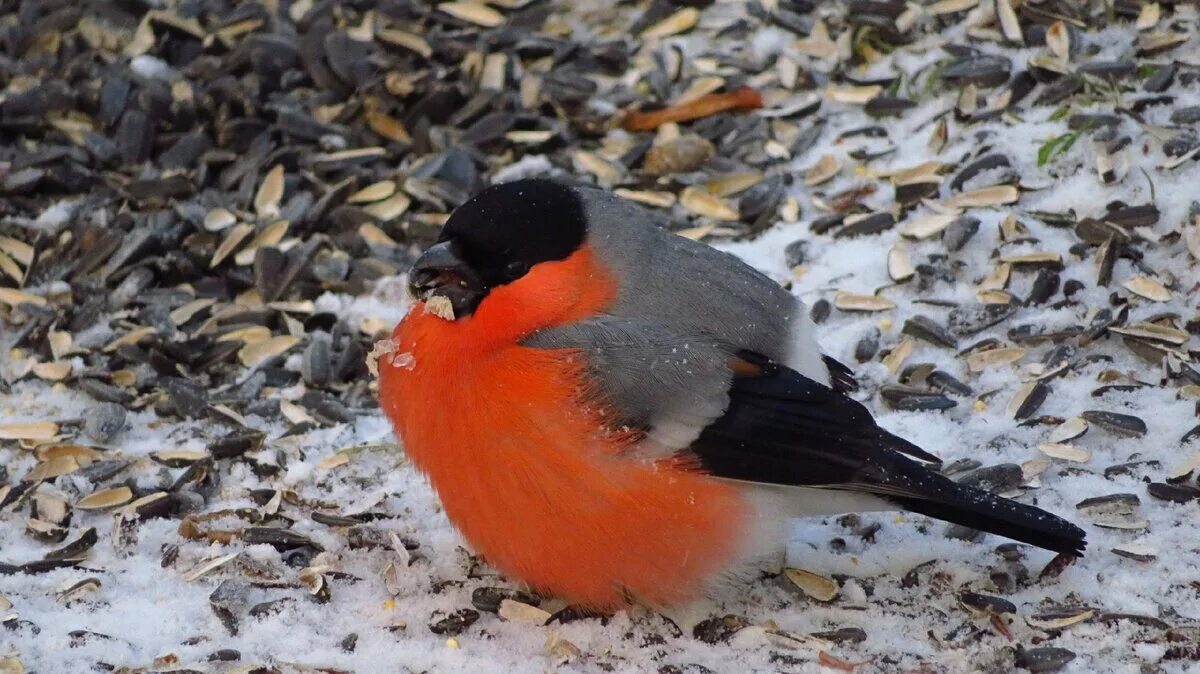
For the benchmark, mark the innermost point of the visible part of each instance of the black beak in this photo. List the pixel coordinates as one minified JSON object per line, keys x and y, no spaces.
{"x":441,"y":271}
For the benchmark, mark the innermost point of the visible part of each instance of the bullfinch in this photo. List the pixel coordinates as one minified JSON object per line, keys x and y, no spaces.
{"x":615,"y":414}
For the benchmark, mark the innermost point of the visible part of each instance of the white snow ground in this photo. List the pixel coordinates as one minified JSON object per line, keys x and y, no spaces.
{"x":151,"y":613}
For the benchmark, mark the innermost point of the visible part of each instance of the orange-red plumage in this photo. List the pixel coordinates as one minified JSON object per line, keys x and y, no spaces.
{"x":520,"y":459}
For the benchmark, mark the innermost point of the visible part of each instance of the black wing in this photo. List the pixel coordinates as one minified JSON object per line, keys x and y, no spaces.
{"x":784,"y":428}
{"x":841,"y":377}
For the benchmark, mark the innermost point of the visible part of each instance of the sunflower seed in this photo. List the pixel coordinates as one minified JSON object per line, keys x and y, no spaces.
{"x":454,"y":624}
{"x":1120,"y":424}
{"x":679,"y":155}
{"x":1175,"y":493}
{"x":972,"y":319}
{"x":104,"y":421}
{"x":986,"y":604}
{"x":912,"y":399}
{"x":1044,"y":658}
{"x":924,"y":328}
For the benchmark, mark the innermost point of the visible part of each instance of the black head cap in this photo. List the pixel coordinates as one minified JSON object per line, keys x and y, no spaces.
{"x":506,"y":229}
{"x":495,"y":238}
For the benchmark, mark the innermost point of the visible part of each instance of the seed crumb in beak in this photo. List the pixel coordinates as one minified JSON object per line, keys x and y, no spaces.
{"x":441,"y":307}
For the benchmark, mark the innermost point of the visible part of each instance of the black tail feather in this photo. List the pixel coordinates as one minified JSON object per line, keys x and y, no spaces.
{"x":978,"y":509}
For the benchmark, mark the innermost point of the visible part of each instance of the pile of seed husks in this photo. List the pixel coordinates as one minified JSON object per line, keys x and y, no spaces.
{"x":205,"y":206}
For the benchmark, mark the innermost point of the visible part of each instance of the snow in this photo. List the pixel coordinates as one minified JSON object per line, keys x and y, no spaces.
{"x":152,"y":612}
{"x":529,"y":166}
{"x":53,"y":218}
{"x":151,"y":67}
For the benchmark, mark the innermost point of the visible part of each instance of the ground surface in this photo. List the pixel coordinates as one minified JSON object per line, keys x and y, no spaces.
{"x":900,"y":578}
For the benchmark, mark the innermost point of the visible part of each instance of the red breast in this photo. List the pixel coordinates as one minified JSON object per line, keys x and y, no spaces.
{"x":522,"y":463}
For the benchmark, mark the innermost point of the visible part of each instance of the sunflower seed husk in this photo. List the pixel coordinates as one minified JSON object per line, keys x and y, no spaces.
{"x":205,"y":568}
{"x":900,"y":267}
{"x":814,"y":585}
{"x":1026,"y":401}
{"x":77,"y":549}
{"x":678,"y":155}
{"x":1136,"y":552}
{"x":983,"y":197}
{"x":178,"y":458}
{"x":982,"y":360}
{"x":1068,"y":430}
{"x":473,"y":12}
{"x":46,"y":532}
{"x":105,"y":498}
{"x":52,"y":468}
{"x":853,"y":95}
{"x":1148,"y":288}
{"x":38,"y":430}
{"x":896,"y":357}
{"x":927,"y":226}
{"x":826,"y":168}
{"x":1059,"y":620}
{"x":700,"y":202}
{"x":648,"y":197}
{"x":1066,"y":452}
{"x":515,"y":611}
{"x":256,"y":353}
{"x":848,"y":301}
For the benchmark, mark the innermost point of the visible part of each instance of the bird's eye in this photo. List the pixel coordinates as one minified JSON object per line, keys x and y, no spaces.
{"x":515,"y":269}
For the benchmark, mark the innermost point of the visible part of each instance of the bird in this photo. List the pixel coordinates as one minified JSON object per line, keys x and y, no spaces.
{"x":617,"y":415}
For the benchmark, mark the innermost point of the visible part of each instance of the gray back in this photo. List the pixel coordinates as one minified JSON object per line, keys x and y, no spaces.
{"x":686,"y":286}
